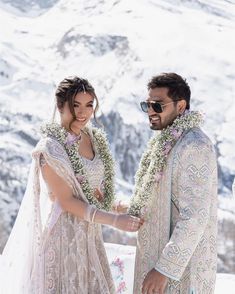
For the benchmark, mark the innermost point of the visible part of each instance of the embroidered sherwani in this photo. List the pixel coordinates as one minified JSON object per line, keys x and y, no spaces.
{"x":179,"y":236}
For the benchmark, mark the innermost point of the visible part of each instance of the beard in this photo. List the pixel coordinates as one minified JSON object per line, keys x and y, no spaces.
{"x":163,"y":123}
{"x":154,"y":127}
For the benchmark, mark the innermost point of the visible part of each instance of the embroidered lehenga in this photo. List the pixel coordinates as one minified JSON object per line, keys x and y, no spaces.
{"x":62,"y":254}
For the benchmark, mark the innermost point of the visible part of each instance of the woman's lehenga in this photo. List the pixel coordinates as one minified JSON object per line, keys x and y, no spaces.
{"x":68,"y":255}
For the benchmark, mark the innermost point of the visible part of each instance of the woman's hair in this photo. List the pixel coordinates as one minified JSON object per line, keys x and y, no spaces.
{"x":68,"y":89}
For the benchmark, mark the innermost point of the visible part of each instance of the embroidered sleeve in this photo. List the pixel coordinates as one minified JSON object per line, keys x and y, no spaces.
{"x":194,"y":175}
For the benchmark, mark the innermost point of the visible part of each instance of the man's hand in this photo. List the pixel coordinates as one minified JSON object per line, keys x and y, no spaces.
{"x":154,"y":283}
{"x":120,"y":207}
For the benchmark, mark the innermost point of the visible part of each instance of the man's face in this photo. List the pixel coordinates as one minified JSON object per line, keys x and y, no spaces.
{"x":159,"y":121}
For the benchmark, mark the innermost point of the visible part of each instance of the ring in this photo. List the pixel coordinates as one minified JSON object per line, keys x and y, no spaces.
{"x":132,"y":224}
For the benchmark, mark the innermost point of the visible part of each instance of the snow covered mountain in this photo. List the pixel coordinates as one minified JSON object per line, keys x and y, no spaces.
{"x":118,"y":45}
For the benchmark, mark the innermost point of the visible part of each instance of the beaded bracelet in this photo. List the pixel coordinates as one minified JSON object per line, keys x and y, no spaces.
{"x":89,"y":210}
{"x":93,"y":215}
{"x":115,"y":220}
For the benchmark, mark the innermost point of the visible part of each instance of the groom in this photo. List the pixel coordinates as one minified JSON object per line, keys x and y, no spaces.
{"x":176,"y":192}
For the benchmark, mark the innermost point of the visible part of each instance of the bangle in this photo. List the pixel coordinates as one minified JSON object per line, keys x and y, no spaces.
{"x":93,"y":215}
{"x":114,"y":222}
{"x":87,"y":214}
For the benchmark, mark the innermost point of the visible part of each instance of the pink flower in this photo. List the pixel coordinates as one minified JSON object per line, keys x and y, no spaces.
{"x":176,"y":133}
{"x":121,"y":287}
{"x":143,"y":211}
{"x":158,"y":176}
{"x":102,"y":186}
{"x":167,"y":149}
{"x":79,"y":178}
{"x":119,"y":263}
{"x":72,"y":138}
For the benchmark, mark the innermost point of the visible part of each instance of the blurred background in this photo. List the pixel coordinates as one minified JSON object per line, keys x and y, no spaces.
{"x":118,"y":45}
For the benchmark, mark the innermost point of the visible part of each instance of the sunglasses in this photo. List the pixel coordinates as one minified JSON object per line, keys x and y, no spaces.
{"x":156,"y":106}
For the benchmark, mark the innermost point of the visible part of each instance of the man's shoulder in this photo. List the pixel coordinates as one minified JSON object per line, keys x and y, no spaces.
{"x":197,"y":135}
{"x":196,"y":138}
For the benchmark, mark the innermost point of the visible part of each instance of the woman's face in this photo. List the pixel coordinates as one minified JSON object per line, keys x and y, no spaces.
{"x":83,"y":108}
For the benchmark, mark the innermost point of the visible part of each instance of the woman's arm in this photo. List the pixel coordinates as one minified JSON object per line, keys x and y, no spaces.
{"x":64,"y":195}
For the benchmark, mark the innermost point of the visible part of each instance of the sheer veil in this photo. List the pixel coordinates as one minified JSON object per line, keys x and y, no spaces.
{"x":17,"y":259}
{"x":18,"y":256}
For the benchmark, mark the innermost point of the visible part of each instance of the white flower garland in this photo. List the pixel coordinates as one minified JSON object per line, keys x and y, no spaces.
{"x":71,"y":146}
{"x":154,"y":159}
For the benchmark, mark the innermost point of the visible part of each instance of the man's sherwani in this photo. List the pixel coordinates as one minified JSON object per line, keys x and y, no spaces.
{"x":179,"y":235}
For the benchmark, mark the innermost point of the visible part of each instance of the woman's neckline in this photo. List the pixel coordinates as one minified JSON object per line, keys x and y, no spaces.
{"x":92,"y":146}
{"x":88,"y":159}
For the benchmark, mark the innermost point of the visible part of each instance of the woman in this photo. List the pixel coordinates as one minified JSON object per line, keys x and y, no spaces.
{"x":70,"y":193}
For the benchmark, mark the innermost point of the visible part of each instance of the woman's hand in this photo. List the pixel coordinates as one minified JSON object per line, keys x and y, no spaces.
{"x":127,"y":222}
{"x":99,"y":195}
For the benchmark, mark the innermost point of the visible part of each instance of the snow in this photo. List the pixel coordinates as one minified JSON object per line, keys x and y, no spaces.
{"x":225,"y":283}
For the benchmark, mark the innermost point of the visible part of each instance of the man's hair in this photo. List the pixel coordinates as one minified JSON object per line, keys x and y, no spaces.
{"x":178,"y":88}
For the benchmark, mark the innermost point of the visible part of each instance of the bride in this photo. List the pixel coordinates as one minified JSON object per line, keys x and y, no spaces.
{"x":56,"y":244}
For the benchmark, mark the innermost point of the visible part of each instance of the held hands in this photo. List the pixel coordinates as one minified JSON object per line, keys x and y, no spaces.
{"x":154,"y":283}
{"x":120,"y":207}
{"x":127,"y":222}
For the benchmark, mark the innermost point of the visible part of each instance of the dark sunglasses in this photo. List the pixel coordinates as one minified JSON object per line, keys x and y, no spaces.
{"x":156,"y":106}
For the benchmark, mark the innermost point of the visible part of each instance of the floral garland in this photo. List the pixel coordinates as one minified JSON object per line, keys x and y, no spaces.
{"x":155,"y":158}
{"x":70,"y":144}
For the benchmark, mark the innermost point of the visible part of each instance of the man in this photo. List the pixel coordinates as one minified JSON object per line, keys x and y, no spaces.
{"x":176,"y":192}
